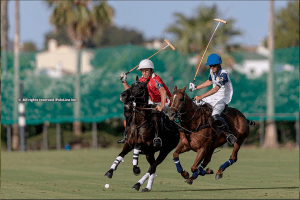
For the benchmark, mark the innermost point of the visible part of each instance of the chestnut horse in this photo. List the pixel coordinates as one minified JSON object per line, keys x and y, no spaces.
{"x":201,"y":135}
{"x":141,"y":133}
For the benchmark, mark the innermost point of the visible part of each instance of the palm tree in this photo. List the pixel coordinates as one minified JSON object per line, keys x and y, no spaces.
{"x":15,"y":136}
{"x":193,"y":34}
{"x":4,"y":33}
{"x":81,"y":18}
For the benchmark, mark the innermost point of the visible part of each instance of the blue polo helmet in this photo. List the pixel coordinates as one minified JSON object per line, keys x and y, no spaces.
{"x":213,"y":59}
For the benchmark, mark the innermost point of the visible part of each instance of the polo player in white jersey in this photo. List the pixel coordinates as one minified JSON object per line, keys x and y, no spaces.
{"x":219,"y":96}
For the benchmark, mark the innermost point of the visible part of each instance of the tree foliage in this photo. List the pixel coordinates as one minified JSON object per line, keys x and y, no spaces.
{"x":193,"y":34}
{"x":60,"y":36}
{"x":112,"y":36}
{"x":287,"y":26}
{"x":29,"y":46}
{"x":80,"y":18}
{"x":115,"y":36}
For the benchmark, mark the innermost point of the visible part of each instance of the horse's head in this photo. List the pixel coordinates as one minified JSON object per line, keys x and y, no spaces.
{"x":177,"y":102}
{"x":137,"y":93}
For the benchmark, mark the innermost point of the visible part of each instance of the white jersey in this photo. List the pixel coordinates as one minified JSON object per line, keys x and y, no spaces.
{"x":223,"y":95}
{"x":223,"y":81}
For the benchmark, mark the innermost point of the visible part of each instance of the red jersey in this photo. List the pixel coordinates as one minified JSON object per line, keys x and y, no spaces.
{"x":153,"y":88}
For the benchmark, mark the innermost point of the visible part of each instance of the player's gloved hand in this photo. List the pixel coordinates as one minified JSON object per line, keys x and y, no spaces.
{"x":123,"y":77}
{"x":192,"y":87}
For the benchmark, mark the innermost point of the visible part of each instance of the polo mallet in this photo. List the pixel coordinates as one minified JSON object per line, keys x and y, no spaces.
{"x":218,"y":20}
{"x":168,"y":45}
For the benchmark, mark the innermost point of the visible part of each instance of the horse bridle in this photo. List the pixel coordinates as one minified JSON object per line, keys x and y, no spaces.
{"x":178,"y":113}
{"x":135,"y":97}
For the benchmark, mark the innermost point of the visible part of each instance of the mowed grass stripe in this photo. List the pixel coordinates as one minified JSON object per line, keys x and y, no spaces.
{"x":79,"y":174}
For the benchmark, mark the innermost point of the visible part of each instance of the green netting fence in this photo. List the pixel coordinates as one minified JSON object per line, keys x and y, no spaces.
{"x":100,"y":89}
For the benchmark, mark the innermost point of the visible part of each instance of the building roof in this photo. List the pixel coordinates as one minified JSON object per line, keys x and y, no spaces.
{"x":239,"y":57}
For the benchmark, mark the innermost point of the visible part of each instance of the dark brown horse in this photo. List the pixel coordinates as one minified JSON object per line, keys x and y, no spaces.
{"x":142,"y":131}
{"x":201,"y":135}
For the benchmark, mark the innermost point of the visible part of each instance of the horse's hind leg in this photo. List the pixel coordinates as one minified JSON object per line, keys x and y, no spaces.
{"x":150,"y":158}
{"x":197,"y":171}
{"x":232,"y":159}
{"x":181,"y":148}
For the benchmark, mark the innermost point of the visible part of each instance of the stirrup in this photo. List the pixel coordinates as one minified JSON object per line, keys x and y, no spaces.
{"x":157,"y":140}
{"x":232,"y":140}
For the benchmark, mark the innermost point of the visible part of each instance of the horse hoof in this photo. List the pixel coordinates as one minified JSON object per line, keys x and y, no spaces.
{"x":136,"y":170}
{"x":146,"y":190}
{"x":218,"y":176}
{"x":136,"y":186}
{"x":209,"y":171}
{"x":108,"y":174}
{"x":185,"y":174}
{"x":189,"y":181}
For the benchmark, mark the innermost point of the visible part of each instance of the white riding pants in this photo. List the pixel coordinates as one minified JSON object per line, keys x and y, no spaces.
{"x":218,"y":104}
{"x":165,"y":109}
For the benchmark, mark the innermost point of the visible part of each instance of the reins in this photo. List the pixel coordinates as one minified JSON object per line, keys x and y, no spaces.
{"x":204,"y":125}
{"x":141,"y":108}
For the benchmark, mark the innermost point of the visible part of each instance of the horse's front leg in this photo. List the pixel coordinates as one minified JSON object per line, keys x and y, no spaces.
{"x":181,"y":148}
{"x":135,"y":159}
{"x":197,"y":171}
{"x":207,"y":160}
{"x":150,"y":158}
{"x":117,"y":161}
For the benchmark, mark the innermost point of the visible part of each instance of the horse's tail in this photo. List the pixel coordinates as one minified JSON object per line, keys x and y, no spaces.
{"x":250,"y":122}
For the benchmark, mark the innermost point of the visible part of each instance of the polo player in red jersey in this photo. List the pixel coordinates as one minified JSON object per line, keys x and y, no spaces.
{"x":158,"y":92}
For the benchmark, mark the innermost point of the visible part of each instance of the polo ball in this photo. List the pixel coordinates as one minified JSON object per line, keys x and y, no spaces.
{"x":107,"y":186}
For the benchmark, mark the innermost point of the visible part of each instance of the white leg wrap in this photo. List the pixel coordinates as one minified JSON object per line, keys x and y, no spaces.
{"x":144,"y":178}
{"x":150,"y":181}
{"x":135,"y":158}
{"x":116,"y":162}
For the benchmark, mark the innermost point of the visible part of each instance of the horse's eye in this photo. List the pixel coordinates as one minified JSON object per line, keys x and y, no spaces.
{"x":181,"y":99}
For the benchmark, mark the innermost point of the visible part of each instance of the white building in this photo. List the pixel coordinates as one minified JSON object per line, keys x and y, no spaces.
{"x":155,"y":44}
{"x":59,"y":60}
{"x":256,"y":63}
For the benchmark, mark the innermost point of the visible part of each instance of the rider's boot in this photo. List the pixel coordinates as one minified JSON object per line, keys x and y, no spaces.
{"x":125,"y":135}
{"x":156,"y":120}
{"x":126,"y":130}
{"x":221,"y":123}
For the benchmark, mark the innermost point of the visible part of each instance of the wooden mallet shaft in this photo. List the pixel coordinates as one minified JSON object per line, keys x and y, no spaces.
{"x":168,"y":45}
{"x":218,"y":20}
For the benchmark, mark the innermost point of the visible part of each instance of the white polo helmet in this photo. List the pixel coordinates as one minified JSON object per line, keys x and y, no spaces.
{"x":145,"y":64}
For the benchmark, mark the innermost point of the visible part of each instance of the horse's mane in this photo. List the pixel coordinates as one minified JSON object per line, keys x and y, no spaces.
{"x":206,"y":106}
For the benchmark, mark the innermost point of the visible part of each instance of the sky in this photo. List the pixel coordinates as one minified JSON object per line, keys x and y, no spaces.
{"x":151,"y":18}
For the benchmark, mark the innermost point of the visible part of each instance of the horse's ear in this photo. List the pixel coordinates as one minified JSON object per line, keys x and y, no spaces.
{"x":175,"y":88}
{"x":137,"y":78}
{"x":183,"y":90}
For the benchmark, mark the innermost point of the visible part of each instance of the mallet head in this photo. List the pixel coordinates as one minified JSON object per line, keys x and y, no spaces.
{"x":170,"y":45}
{"x":220,"y":20}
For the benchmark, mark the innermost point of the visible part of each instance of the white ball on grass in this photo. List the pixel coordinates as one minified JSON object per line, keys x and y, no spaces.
{"x":107,"y":186}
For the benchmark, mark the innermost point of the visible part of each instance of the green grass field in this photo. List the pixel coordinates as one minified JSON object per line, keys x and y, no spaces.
{"x":79,"y":174}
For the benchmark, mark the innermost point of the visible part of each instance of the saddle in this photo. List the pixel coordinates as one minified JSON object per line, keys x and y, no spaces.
{"x":210,"y":120}
{"x":225,"y":111}
{"x":166,"y":124}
